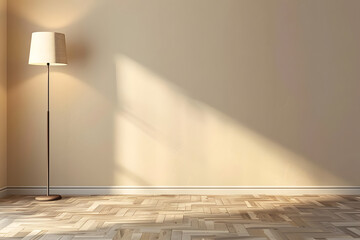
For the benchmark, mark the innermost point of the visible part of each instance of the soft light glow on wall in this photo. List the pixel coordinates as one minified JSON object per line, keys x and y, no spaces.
{"x":53,"y":14}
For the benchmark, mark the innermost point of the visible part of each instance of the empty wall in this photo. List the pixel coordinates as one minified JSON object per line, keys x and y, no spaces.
{"x":189,"y":93}
{"x":3,"y":160}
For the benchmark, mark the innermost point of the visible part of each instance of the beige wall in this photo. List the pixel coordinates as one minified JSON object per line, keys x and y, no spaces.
{"x":3,"y":160}
{"x":188,"y":92}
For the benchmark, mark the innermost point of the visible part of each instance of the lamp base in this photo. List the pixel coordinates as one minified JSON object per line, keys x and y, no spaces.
{"x":48,"y":198}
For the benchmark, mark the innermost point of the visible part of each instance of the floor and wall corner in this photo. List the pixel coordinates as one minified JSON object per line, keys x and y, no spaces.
{"x":3,"y":101}
{"x":206,"y":101}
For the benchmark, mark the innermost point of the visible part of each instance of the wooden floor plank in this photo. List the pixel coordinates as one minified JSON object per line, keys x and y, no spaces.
{"x":136,"y":217}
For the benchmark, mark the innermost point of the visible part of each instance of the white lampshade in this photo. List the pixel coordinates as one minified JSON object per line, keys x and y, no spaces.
{"x":47,"y":47}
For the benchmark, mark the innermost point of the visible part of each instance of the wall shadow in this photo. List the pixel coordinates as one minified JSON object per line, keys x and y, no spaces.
{"x":294,"y":90}
{"x":192,"y":93}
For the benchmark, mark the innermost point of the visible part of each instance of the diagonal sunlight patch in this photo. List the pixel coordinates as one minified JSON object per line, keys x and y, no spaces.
{"x":167,"y":138}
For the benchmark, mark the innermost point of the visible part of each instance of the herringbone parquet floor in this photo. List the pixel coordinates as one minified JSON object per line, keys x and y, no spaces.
{"x":182,"y":217}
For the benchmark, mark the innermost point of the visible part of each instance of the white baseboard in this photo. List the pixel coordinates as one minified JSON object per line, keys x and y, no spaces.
{"x":196,"y":190}
{"x":3,"y":192}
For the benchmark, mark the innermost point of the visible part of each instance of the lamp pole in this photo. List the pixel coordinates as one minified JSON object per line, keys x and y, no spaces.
{"x":48,"y":131}
{"x":48,"y":197}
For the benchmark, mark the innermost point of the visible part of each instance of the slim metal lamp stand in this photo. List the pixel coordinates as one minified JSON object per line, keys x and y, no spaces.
{"x":48,"y":197}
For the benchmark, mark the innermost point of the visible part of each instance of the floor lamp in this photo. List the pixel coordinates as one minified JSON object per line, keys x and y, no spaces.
{"x":48,"y":48}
